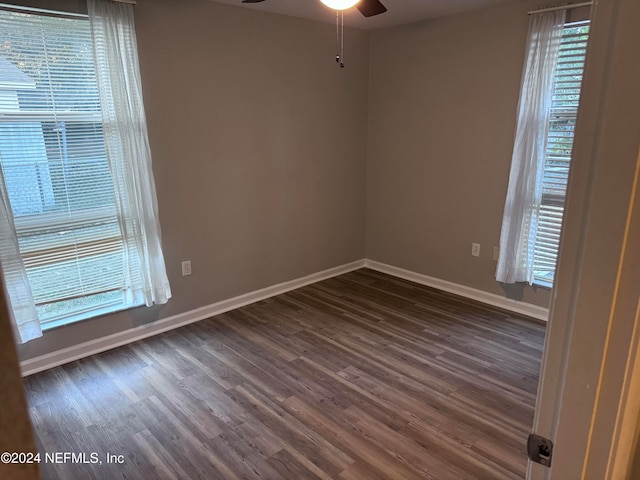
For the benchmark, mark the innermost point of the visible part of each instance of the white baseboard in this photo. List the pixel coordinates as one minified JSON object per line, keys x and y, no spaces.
{"x":85,"y":349}
{"x":523,"y":308}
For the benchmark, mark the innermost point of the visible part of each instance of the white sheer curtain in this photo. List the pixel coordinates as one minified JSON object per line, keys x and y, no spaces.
{"x":127,"y":146}
{"x":524,"y":195}
{"x":22,"y":310}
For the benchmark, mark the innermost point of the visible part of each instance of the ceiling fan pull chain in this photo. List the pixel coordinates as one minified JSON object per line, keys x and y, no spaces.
{"x":337,"y":36}
{"x":342,"y":39}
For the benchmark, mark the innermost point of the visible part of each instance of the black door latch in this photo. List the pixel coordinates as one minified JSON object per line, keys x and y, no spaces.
{"x":540,"y":449}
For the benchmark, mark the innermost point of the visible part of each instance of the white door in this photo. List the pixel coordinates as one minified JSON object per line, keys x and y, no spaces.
{"x":587,"y":404}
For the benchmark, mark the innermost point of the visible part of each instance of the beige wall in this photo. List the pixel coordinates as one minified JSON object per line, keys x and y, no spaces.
{"x":259,"y":153}
{"x":443,"y":98}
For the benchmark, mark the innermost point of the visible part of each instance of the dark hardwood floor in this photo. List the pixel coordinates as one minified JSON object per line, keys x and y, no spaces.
{"x":362,"y":376}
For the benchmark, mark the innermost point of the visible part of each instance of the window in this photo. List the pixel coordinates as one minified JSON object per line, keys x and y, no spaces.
{"x":53,"y":157}
{"x":546,"y":118}
{"x":564,"y":110}
{"x":68,"y":177}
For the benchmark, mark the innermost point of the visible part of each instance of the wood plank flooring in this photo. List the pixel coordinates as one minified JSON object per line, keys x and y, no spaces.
{"x":360,"y":377}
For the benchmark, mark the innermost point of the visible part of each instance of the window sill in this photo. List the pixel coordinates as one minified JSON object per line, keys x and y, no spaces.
{"x":61,"y":322}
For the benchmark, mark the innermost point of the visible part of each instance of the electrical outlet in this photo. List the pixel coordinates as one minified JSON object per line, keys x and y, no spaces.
{"x":475,"y":249}
{"x":496,"y":253}
{"x":186,"y":268}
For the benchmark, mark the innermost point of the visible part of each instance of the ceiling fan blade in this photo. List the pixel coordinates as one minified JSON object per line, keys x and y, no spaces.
{"x":369,"y":8}
{"x":252,"y":1}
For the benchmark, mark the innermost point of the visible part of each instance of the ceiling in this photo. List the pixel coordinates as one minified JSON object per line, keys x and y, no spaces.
{"x":399,"y":11}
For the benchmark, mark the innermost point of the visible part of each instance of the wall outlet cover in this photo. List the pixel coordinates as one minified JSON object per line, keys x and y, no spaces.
{"x":186,"y":268}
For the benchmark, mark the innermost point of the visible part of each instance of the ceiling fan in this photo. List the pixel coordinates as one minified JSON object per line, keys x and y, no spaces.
{"x":368,"y":8}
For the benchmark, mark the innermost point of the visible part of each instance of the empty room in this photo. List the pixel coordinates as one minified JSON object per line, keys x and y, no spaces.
{"x":320,"y":239}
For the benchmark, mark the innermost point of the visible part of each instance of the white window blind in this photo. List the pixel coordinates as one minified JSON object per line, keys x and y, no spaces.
{"x":52,"y":153}
{"x":564,"y":110}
